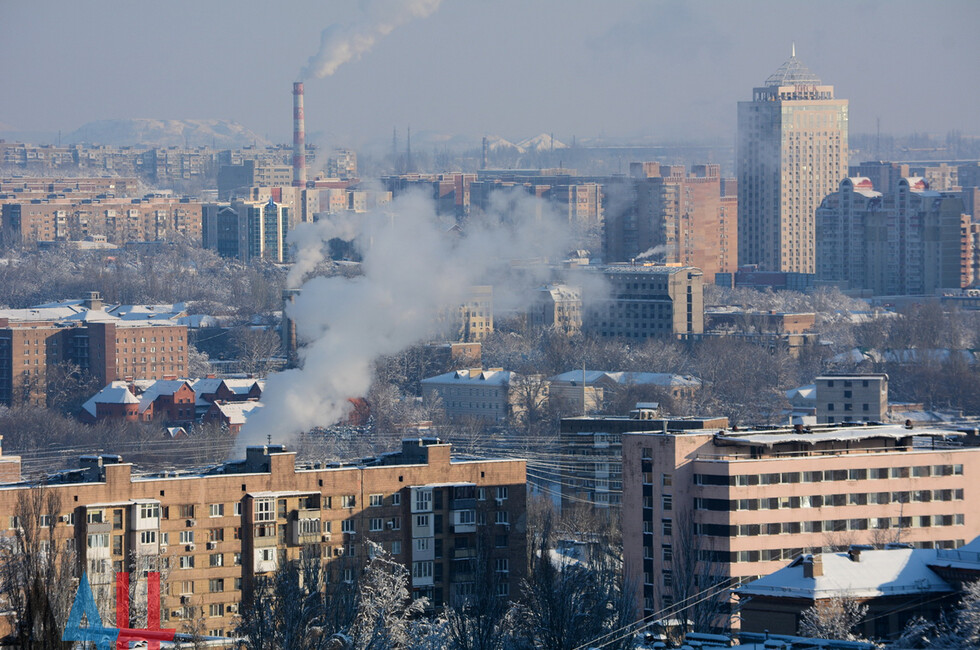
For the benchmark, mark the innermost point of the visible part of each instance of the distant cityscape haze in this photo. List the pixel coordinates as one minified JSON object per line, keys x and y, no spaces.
{"x":620,"y":71}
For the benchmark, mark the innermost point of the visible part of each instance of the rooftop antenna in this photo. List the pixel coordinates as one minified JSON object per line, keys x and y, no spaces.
{"x":793,"y":51}
{"x":268,"y":438}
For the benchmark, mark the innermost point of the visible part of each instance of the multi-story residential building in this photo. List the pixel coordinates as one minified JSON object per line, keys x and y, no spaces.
{"x":123,"y":341}
{"x":645,"y":301}
{"x":792,"y":151}
{"x":737,"y":504}
{"x":216,"y":533}
{"x":910,"y":241}
{"x":117,"y":220}
{"x":472,"y":393}
{"x":475,"y":318}
{"x":852,"y":398}
{"x":677,"y":218}
{"x":247,"y":229}
{"x":591,"y":474}
{"x":557,"y":307}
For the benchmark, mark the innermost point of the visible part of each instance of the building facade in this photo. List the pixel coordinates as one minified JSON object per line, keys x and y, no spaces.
{"x":676,"y":217}
{"x":214,"y":534}
{"x":247,"y":230}
{"x":852,"y":398}
{"x":557,"y":307}
{"x":645,"y":301}
{"x":791,"y":152}
{"x":739,"y":504}
{"x":472,"y":393}
{"x":909,"y":241}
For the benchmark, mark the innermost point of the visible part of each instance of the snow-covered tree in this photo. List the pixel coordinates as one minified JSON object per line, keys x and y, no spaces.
{"x":833,"y":618}
{"x":384,"y":605}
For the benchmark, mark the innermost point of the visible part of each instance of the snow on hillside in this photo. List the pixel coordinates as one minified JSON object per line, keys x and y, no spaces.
{"x":166,"y":133}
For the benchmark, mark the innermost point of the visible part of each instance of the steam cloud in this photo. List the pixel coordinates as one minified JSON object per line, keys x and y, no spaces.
{"x":340,"y":44}
{"x":415,"y":270}
{"x":650,"y":252}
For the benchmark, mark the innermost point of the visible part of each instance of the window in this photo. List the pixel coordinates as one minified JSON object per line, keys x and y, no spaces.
{"x":217,"y":559}
{"x":377,"y":523}
{"x":187,"y":537}
{"x":347,"y":526}
{"x":667,"y":501}
{"x":309,"y":526}
{"x":502,"y":492}
{"x":501,"y":517}
{"x":422,"y":544}
{"x":265,"y":509}
{"x":187,"y":512}
{"x":149,"y":511}
{"x":348,"y":501}
{"x":668,"y":552}
{"x":216,"y":585}
{"x":238,"y":562}
{"x":422,"y":569}
{"x":500,"y":541}
{"x":94,"y":517}
{"x":668,"y":527}
{"x":396,"y":548}
{"x":666,"y":480}
{"x":217,"y":510}
{"x":396,"y":499}
{"x":238,"y":508}
{"x":376,"y":500}
{"x":423,"y":500}
{"x":502,"y":589}
{"x":501,"y":565}
{"x":216,"y":609}
{"x":98,"y":540}
{"x":421,"y":521}
{"x":186,"y":562}
{"x":148,"y":537}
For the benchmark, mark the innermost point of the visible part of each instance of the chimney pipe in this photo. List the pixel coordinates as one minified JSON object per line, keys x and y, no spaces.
{"x":299,"y":137}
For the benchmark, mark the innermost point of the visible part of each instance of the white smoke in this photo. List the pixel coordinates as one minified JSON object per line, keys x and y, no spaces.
{"x":650,"y":252}
{"x":415,"y":270}
{"x":340,"y":44}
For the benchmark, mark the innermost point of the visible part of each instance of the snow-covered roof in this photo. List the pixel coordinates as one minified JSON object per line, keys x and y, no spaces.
{"x":472,"y":376}
{"x":75,"y":311}
{"x":116,"y":392}
{"x":890,"y":572}
{"x":842,"y":434}
{"x":628,"y":378}
{"x":237,"y":412}
{"x":157,"y":388}
{"x":805,"y":392}
{"x":243,"y":386}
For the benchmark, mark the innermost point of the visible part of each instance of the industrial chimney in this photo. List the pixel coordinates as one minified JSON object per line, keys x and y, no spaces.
{"x":299,"y":137}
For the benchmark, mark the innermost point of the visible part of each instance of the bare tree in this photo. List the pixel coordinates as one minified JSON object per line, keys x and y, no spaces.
{"x":833,"y":618}
{"x":256,"y":349}
{"x":37,"y":572}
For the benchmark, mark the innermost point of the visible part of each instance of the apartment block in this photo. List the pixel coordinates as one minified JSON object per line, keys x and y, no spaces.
{"x":675,"y":217}
{"x":909,"y":241}
{"x":645,"y":301}
{"x":852,"y":398}
{"x":117,"y":220}
{"x":592,"y":453}
{"x":214,"y":534}
{"x":247,"y":230}
{"x":109,"y":345}
{"x":740,"y":504}
{"x":791,"y":152}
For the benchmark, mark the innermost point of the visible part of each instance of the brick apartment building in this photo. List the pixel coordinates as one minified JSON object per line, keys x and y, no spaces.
{"x":215,"y":533}
{"x":106,"y":345}
{"x":687,"y":219}
{"x":743,"y":504}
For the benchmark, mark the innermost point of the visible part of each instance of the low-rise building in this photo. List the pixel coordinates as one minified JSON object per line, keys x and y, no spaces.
{"x":472,"y":393}
{"x":852,"y":398}
{"x":557,"y":307}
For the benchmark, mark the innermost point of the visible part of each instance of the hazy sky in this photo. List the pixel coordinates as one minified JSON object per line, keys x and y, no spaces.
{"x":515,"y":68}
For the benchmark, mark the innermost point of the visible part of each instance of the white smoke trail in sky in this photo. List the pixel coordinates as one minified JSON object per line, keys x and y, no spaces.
{"x":340,"y":44}
{"x":415,"y":270}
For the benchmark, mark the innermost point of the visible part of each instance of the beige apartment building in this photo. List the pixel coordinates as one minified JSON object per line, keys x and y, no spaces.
{"x":738,"y":504}
{"x":852,"y":398}
{"x":214,"y":533}
{"x":792,"y":151}
{"x":557,"y":307}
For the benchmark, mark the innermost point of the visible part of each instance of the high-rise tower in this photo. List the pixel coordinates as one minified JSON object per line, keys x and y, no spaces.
{"x":792,"y":151}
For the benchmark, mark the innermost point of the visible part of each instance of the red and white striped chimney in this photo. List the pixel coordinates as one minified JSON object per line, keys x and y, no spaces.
{"x":299,"y":137}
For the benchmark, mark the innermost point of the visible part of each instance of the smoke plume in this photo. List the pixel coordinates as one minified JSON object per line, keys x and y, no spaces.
{"x":650,"y":252}
{"x":416,"y":271}
{"x":340,"y":44}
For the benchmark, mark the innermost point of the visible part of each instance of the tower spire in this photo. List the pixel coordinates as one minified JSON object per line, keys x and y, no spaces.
{"x":793,"y":51}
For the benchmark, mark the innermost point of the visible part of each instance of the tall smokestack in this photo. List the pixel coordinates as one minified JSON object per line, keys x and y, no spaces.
{"x":299,"y":137}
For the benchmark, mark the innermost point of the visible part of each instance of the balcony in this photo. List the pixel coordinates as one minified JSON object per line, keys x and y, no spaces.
{"x":462,"y":504}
